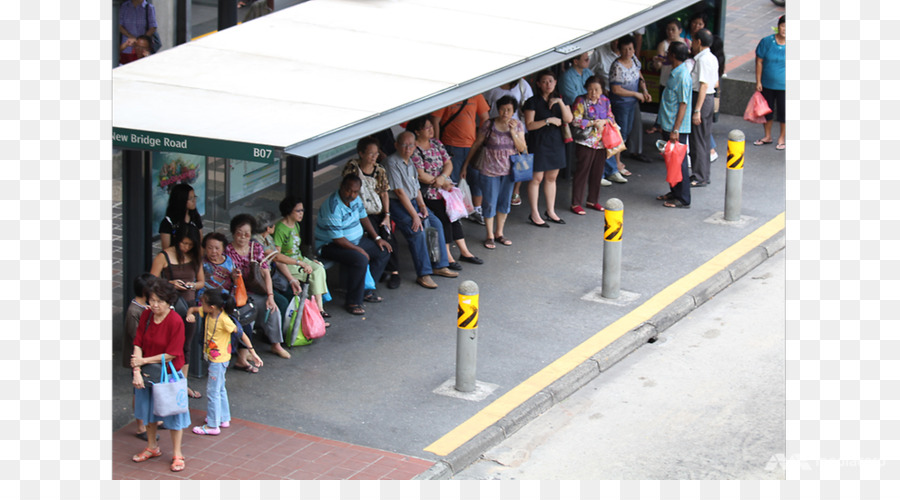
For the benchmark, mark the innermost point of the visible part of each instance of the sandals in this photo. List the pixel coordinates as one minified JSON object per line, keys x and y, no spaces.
{"x":595,"y":206}
{"x":194,"y":394}
{"x":503,"y":241}
{"x":206,"y":431}
{"x":355,"y":309}
{"x":780,"y":147}
{"x":177,"y":464}
{"x":147,"y":454}
{"x":760,"y":142}
{"x":577,"y":210}
{"x":675,"y":204}
{"x":625,"y":172}
{"x":249,"y":368}
{"x":665,"y":197}
{"x":489,"y":244}
{"x":325,"y":314}
{"x":372,"y":298}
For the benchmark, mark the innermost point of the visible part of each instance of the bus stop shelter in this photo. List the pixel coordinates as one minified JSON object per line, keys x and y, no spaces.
{"x":323,"y":73}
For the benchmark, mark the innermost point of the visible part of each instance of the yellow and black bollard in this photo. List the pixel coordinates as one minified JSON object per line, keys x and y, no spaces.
{"x":734,"y":176}
{"x":466,"y":336}
{"x":612,"y":249}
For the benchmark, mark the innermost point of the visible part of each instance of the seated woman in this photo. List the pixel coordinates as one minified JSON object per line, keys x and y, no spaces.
{"x":181,"y":264}
{"x":434,"y":167}
{"x":287,"y":240}
{"x":281,"y":277}
{"x":242,"y":250}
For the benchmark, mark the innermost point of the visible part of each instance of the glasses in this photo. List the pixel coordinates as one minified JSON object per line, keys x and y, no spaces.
{"x":299,"y":211}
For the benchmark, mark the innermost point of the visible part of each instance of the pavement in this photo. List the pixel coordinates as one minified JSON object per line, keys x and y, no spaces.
{"x":369,"y":385}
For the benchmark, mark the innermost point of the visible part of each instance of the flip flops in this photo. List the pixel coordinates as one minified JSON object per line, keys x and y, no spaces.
{"x":206,"y":430}
{"x":503,"y":241}
{"x":780,"y":147}
{"x":760,"y":142}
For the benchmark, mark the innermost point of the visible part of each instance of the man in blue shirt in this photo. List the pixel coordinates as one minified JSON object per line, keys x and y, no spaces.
{"x":340,"y":226}
{"x":673,"y":106}
{"x":136,"y":18}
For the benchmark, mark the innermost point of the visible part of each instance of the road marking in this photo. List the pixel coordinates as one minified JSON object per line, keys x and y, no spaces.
{"x":567,"y":362}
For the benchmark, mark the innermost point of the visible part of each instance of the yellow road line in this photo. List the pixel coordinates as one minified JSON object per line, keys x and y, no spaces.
{"x":567,"y":362}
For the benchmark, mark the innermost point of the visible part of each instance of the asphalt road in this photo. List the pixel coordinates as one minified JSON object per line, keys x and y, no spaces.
{"x":707,"y":401}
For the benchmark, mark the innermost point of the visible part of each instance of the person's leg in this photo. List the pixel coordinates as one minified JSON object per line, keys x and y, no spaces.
{"x":550,"y":177}
{"x":377,"y":257}
{"x":582,"y":172}
{"x":214,"y":383}
{"x":189,"y":329}
{"x":354,"y":266}
{"x":439,"y":209}
{"x":780,"y":116}
{"x":176,"y":446}
{"x":595,"y":175}
{"x":490,"y":190}
{"x":534,"y":192}
{"x":682,"y":190}
{"x":474,"y":178}
{"x":504,"y":200}
{"x":769,"y":95}
{"x":457,"y":157}
{"x":635,"y":142}
{"x":418,"y":246}
{"x":699,"y":138}
{"x":611,"y":167}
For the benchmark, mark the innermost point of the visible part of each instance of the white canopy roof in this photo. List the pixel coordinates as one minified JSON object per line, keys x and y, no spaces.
{"x":325,"y":72}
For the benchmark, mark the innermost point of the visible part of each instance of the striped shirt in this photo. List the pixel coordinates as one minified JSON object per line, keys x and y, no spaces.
{"x":337,"y":220}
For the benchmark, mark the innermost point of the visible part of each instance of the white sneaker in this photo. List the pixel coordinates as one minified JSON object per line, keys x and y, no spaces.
{"x":713,"y":156}
{"x":604,"y":182}
{"x":476,"y":217}
{"x":617,"y":177}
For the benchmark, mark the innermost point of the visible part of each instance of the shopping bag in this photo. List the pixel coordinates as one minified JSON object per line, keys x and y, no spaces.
{"x":467,"y":196}
{"x":611,"y":136}
{"x":293,"y":321}
{"x":170,"y":394}
{"x":614,"y":128}
{"x":674,"y":156}
{"x":312,"y":322}
{"x":454,"y":204}
{"x":757,"y":108}
{"x":369,"y":281}
{"x":240,"y":291}
{"x":522,"y":166}
{"x":432,"y":240}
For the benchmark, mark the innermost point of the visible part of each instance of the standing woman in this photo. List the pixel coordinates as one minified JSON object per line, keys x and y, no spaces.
{"x":159,"y":331}
{"x":770,"y":80}
{"x":545,"y":115}
{"x":287,"y":240}
{"x":374,"y":194}
{"x":183,"y":270}
{"x":241,"y":250}
{"x":434,"y":167}
{"x":627,"y":87}
{"x":591,"y":111}
{"x":181,"y":210}
{"x":500,"y":137}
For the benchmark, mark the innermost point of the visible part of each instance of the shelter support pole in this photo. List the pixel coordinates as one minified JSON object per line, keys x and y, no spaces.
{"x":227,"y":14}
{"x":136,"y":213}
{"x":183,"y":22}
{"x":299,"y":172}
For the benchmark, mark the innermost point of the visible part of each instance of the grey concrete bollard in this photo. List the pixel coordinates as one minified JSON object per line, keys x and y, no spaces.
{"x":734,"y":175}
{"x":612,"y":249}
{"x":466,"y":336}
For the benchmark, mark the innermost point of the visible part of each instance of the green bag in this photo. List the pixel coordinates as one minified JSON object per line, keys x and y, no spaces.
{"x":293,"y":333}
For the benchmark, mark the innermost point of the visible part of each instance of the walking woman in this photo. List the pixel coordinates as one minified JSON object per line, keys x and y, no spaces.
{"x":545,"y":116}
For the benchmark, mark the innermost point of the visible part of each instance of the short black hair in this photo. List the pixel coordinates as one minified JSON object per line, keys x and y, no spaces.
{"x":626,"y":40}
{"x":364,"y":143}
{"x":704,"y":37}
{"x":163,"y":290}
{"x":287,"y":205}
{"x":215,"y":236}
{"x":242,"y":219}
{"x":141,"y":284}
{"x":350,"y":178}
{"x":508,"y":99}
{"x":417,"y":124}
{"x":679,"y":51}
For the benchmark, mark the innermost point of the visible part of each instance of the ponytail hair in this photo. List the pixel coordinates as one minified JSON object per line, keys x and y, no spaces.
{"x":221,"y":299}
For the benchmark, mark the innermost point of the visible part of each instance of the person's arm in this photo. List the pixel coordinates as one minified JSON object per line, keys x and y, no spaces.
{"x":370,"y":230}
{"x":529,"y":120}
{"x":246,"y":341}
{"x":566,"y":113}
{"x":642,"y":86}
{"x":759,"y":70}
{"x":479,"y":140}
{"x":682,"y":109}
{"x":701,"y":96}
{"x":416,"y":224}
{"x":518,"y":136}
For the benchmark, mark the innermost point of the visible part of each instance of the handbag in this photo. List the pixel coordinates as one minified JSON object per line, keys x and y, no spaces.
{"x":757,"y":108}
{"x":155,"y":41}
{"x":254,"y":279}
{"x":454,"y":204}
{"x":170,"y":394}
{"x":312,"y":322}
{"x":522,"y":166}
{"x":674,"y":156}
{"x":478,"y":159}
{"x":582,"y":134}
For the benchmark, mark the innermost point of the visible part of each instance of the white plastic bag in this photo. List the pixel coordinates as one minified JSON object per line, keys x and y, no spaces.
{"x":467,"y":196}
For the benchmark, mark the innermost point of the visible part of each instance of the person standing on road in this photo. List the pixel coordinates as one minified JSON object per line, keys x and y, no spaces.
{"x":136,"y":18}
{"x":627,"y":90}
{"x":704,"y":78}
{"x":676,"y":126}
{"x":770,"y":80}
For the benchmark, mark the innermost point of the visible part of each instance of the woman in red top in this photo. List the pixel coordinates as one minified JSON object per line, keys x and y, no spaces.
{"x":160,"y":331}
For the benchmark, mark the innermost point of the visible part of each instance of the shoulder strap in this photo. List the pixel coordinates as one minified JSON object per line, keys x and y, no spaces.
{"x":458,"y":111}
{"x":169,"y":266}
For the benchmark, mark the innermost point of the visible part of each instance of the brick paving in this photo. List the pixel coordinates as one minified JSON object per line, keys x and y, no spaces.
{"x":248,"y":450}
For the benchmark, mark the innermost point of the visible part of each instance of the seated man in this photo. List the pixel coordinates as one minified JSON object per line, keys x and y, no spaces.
{"x":339,"y":237}
{"x":408,"y":211}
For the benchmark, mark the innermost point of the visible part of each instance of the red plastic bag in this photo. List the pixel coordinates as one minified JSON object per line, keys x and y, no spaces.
{"x":674,"y":156}
{"x":757,"y":108}
{"x":312,"y":324}
{"x":611,"y":136}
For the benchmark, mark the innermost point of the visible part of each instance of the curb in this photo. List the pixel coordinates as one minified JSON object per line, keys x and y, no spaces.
{"x":602,"y":361}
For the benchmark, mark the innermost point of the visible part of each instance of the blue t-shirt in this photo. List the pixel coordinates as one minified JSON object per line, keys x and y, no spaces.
{"x":773,"y":56}
{"x":678,"y":90}
{"x":571,"y":85}
{"x":337,"y":220}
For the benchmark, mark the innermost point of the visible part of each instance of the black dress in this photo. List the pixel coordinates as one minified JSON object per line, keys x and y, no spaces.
{"x":545,"y":143}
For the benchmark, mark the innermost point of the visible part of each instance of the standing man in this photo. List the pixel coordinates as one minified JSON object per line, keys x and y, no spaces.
{"x":409,"y":210}
{"x":340,"y":230}
{"x":704,"y":78}
{"x":456,"y":126}
{"x":676,"y":125}
{"x":136,"y":18}
{"x":571,"y":84}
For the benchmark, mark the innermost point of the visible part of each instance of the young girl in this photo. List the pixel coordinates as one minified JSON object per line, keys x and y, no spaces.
{"x":216,"y":306}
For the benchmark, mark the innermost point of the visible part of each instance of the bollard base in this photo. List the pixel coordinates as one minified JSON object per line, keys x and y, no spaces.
{"x":482,"y":390}
{"x":624,"y":299}
{"x":719,"y":218}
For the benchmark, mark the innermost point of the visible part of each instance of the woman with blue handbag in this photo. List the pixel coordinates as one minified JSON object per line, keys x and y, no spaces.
{"x":159,"y":332}
{"x":499,"y":138}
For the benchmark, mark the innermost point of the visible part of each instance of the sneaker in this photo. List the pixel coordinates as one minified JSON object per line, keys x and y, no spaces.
{"x":604,"y":182}
{"x":477,"y":218}
{"x":713,"y":156}
{"x":617,"y":177}
{"x":516,"y":200}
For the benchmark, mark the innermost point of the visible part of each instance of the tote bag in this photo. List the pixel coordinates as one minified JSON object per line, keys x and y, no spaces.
{"x":522,"y":166}
{"x":170,"y":394}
